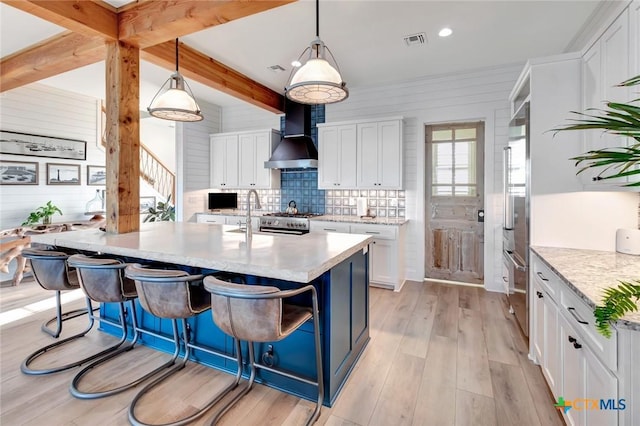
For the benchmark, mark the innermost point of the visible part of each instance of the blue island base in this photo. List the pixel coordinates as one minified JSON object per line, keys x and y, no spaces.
{"x":343,"y":296}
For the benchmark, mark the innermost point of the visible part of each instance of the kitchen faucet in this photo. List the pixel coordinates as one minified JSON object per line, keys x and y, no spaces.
{"x":249,"y":232}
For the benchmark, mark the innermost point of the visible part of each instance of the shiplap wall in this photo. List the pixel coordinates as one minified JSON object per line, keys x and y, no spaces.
{"x":474,"y":96}
{"x":42,"y":110}
{"x":192,"y":160}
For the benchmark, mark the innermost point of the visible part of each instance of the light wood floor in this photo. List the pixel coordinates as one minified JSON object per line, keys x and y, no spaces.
{"x":438,"y":355}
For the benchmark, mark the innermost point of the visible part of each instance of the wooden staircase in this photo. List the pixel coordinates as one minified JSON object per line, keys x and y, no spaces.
{"x":156,"y":174}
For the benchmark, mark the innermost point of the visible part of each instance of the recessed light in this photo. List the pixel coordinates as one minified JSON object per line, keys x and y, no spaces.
{"x":296,"y":64}
{"x":445,"y":32}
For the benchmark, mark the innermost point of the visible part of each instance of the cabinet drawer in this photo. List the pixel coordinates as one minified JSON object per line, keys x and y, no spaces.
{"x":318,"y":226}
{"x":211,"y":219}
{"x":580,"y":316}
{"x":380,"y":232}
{"x":548,"y":280}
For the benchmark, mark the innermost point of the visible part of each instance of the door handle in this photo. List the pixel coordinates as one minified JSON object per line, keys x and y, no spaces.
{"x":542,"y":276}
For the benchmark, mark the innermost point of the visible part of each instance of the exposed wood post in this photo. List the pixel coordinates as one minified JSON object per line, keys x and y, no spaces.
{"x":123,"y":137}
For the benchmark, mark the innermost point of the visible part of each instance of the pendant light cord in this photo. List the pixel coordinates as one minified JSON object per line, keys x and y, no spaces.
{"x":176,"y":55}
{"x":318,"y":18}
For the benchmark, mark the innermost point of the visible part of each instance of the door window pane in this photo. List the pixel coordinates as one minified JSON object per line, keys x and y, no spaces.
{"x":466,"y":133}
{"x":454,"y":162}
{"x":442,"y":135}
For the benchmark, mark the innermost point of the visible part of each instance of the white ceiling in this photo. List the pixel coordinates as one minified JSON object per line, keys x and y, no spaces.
{"x":365,"y":36}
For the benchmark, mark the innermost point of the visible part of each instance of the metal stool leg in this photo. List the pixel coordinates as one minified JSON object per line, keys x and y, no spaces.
{"x":244,"y":391}
{"x":74,"y":388}
{"x":202,"y":411}
{"x":25,"y":366}
{"x":60,"y":317}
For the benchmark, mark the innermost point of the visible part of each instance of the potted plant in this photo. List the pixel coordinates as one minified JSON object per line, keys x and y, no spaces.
{"x":43,"y":213}
{"x":619,"y":119}
{"x":163,"y":211}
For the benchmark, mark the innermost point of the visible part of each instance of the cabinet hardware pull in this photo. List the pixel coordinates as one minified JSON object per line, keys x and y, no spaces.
{"x":373,"y":232}
{"x":577,"y":345}
{"x":572,"y":339}
{"x":573,"y":312}
{"x":539,"y":294}
{"x":542,"y":276}
{"x":329,"y":229}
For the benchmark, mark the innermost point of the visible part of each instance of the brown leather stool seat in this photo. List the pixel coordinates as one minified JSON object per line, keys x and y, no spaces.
{"x":255,"y":313}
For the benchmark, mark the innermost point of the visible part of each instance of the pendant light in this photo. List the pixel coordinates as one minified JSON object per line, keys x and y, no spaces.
{"x":177,"y":102}
{"x":317,"y":81}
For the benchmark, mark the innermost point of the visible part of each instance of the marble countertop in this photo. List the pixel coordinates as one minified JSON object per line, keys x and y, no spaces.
{"x":358,"y":219}
{"x":588,"y":272}
{"x":299,"y":258}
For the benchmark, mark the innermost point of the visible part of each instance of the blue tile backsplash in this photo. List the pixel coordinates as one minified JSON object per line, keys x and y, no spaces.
{"x":301,"y":185}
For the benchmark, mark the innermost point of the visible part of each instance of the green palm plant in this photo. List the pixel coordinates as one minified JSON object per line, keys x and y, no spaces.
{"x":617,"y":302}
{"x":618,"y":119}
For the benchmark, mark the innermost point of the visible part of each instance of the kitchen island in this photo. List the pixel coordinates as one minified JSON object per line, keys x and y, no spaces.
{"x":336,"y":264}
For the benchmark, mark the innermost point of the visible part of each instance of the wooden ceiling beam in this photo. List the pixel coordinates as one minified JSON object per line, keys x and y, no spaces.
{"x":154,"y":22}
{"x":60,"y":53}
{"x":199,"y":67}
{"x":82,"y":17}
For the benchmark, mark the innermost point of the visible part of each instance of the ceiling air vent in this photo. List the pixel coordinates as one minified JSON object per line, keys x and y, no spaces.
{"x":276,"y":68}
{"x":415,"y":39}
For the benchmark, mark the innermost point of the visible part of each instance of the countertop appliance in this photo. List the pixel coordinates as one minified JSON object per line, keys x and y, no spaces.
{"x":286,"y":223}
{"x":516,"y":194}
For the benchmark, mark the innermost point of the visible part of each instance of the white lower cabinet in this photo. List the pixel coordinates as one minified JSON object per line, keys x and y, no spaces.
{"x":386,"y":251}
{"x":545,"y":336}
{"x":211,"y":219}
{"x":219,"y":219}
{"x":586,"y":382}
{"x":579,"y":365}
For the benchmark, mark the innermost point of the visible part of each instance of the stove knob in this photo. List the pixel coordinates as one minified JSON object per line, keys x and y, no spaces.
{"x":275,"y":222}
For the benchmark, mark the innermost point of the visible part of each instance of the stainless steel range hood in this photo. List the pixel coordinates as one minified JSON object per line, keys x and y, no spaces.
{"x":296,"y":149}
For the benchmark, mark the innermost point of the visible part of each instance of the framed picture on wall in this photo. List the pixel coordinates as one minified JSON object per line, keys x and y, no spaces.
{"x":146,"y":202}
{"x":17,"y":143}
{"x":63,"y":174}
{"x":18,"y":173}
{"x":96,"y":175}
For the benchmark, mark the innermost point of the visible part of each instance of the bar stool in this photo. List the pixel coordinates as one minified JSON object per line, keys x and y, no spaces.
{"x":103,"y":280}
{"x":175,"y":295}
{"x":255,"y":313}
{"x":51,"y":272}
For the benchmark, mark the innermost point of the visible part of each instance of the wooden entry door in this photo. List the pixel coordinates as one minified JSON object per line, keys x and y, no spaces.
{"x":454,"y":202}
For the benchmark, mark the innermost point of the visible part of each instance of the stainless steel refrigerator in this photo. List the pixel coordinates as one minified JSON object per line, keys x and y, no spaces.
{"x":516,"y":217}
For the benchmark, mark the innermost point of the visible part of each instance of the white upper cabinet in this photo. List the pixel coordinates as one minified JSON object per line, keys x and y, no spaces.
{"x":337,"y":156}
{"x":379,"y":155}
{"x":224,"y":161}
{"x":364,"y":154}
{"x":253,"y":150}
{"x":237,"y":160}
{"x":612,"y":59}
